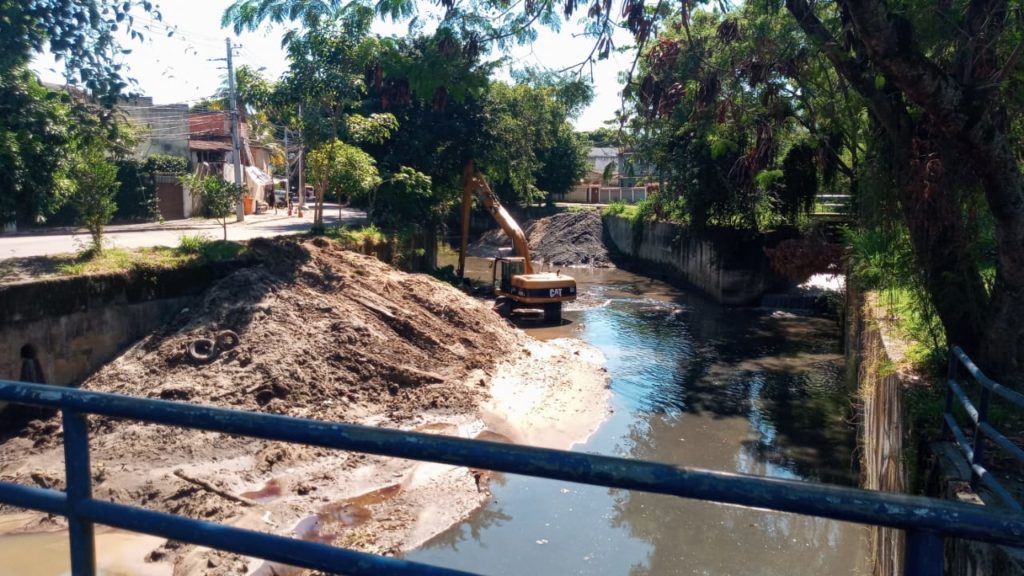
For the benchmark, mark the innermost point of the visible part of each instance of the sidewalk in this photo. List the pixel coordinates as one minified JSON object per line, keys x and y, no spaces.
{"x":129,"y":236}
{"x":166,"y":225}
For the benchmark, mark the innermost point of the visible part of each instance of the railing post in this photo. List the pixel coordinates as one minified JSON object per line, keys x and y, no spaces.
{"x":79,"y":487}
{"x":979,"y":436}
{"x":924,"y":554}
{"x":954,"y":363}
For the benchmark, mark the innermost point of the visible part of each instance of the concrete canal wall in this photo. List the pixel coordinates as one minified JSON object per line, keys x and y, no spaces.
{"x":730,"y":266}
{"x":61,"y":330}
{"x":887,"y":454}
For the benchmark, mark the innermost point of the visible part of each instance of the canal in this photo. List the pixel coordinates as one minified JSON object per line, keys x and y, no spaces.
{"x":694,"y":384}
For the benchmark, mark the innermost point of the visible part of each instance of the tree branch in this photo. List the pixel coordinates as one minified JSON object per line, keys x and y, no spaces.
{"x":889,"y":43}
{"x":888,"y":113}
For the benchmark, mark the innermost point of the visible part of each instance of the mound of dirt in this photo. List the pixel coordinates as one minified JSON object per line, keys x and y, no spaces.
{"x":565,"y":239}
{"x":323,"y":333}
{"x":332,"y":335}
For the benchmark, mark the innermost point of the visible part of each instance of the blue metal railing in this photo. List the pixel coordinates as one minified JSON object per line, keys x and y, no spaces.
{"x":974,"y":452}
{"x":926,"y":520}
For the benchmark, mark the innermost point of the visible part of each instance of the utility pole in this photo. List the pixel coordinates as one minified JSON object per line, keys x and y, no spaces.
{"x":239,"y":210}
{"x":302,"y":166}
{"x":287,"y":175}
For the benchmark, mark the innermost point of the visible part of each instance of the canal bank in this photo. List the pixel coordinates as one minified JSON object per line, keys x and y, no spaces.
{"x":695,"y":384}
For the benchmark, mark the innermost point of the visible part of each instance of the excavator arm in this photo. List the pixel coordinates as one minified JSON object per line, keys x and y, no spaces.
{"x":475,"y":183}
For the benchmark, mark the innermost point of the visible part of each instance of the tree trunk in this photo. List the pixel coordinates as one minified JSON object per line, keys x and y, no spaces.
{"x":938,"y":234}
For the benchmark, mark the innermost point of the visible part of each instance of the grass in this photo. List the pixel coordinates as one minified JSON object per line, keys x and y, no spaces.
{"x":192,"y":250}
{"x":114,"y":260}
{"x":358,"y":235}
{"x":623,"y":210}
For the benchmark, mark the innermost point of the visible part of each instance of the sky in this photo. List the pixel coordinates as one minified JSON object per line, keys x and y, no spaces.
{"x":182,"y":67}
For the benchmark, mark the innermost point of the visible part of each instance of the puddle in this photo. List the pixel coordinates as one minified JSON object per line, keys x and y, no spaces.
{"x":118,"y":553}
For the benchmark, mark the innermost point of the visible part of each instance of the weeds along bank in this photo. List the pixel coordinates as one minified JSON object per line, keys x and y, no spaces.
{"x":334,"y":335}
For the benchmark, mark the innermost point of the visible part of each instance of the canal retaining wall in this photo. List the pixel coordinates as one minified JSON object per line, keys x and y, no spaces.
{"x":60,"y":330}
{"x":730,"y":266}
{"x":886,"y":451}
{"x":882,"y":425}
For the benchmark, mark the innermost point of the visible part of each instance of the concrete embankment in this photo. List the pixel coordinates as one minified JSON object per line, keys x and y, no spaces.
{"x":728,"y":265}
{"x":893,"y":456}
{"x":62,"y":330}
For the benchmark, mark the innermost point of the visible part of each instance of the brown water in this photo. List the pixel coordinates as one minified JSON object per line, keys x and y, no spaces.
{"x":118,"y":553}
{"x":694,"y":384}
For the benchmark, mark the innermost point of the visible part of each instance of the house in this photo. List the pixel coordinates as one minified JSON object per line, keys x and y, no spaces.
{"x":598,"y":160}
{"x":628,"y":178}
{"x":165,"y":126}
{"x":164,"y":131}
{"x":212,"y":151}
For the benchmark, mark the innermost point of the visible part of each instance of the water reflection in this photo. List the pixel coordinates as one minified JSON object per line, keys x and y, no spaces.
{"x":697,"y":385}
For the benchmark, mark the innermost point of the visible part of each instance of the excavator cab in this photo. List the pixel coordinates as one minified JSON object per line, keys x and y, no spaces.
{"x":517,"y":289}
{"x":507,"y":266}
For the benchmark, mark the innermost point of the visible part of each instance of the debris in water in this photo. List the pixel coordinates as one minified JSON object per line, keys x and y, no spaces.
{"x":271,"y":491}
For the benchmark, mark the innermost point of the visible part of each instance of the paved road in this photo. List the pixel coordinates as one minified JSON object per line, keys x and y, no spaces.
{"x":170,"y":233}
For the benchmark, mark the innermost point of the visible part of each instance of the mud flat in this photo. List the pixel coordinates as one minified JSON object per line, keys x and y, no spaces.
{"x":323,"y":334}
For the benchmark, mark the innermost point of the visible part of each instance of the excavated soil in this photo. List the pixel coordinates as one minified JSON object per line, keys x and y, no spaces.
{"x":330,"y":335}
{"x":565,"y":239}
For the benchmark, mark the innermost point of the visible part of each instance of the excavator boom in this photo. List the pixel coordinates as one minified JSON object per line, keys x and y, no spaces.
{"x":519,"y":286}
{"x":474,"y":183}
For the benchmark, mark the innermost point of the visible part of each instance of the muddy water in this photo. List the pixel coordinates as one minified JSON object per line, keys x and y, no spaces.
{"x":694,"y":384}
{"x":118,"y":553}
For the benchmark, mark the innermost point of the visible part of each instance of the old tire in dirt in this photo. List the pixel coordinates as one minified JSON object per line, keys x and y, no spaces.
{"x":202,"y":351}
{"x":553,"y":313}
{"x":227,"y":339}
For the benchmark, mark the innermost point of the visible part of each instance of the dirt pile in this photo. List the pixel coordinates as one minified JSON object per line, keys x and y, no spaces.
{"x":327,"y":334}
{"x":323,"y":333}
{"x":565,"y":239}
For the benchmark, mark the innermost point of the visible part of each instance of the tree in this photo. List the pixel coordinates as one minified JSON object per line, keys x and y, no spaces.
{"x":340,"y":169}
{"x":940,"y":87}
{"x":218,"y":195}
{"x":942,"y":91}
{"x":532,"y":148}
{"x":80,"y":33}
{"x":96,"y":187}
{"x":35,"y":147}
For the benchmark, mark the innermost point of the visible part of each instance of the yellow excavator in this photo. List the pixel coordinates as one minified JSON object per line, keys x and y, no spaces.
{"x":518,"y":285}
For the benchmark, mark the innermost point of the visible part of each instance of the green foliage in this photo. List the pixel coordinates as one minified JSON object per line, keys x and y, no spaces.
{"x":219,"y":250}
{"x":36,"y":147}
{"x":165,"y":164}
{"x":343,"y":171}
{"x":137,"y":197}
{"x":81,"y":34}
{"x":95,"y":188}
{"x":192,"y":243}
{"x":406,"y":199}
{"x":881,"y":260}
{"x":628,"y":211}
{"x":219,"y":197}
{"x":768,"y":179}
{"x":605,"y":138}
{"x":532,"y":145}
{"x":799,"y":182}
{"x":351,"y":236}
